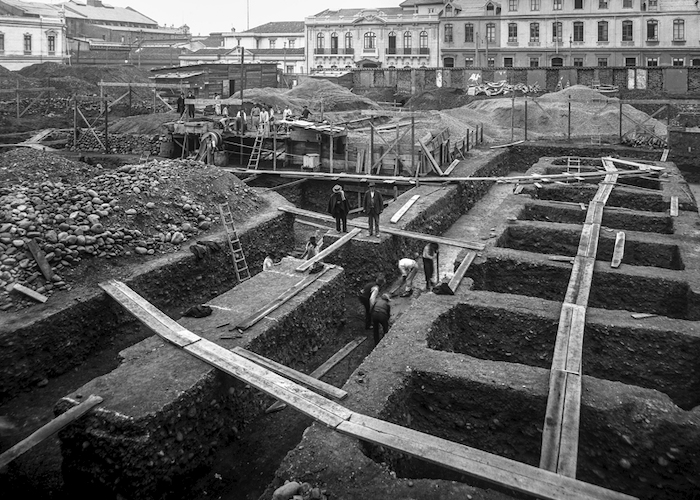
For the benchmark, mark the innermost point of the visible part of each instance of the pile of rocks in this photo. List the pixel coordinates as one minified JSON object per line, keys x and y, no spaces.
{"x":138,"y":210}
{"x":118,"y":143}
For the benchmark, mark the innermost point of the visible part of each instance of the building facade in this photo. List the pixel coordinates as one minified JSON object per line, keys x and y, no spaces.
{"x":276,"y":42}
{"x":399,"y":37}
{"x":532,"y":33}
{"x":30,"y":33}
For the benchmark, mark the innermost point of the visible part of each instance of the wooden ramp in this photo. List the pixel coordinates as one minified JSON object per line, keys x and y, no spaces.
{"x":561,"y":425}
{"x":463,"y":459}
{"x":385,"y":229}
{"x":326,"y":252}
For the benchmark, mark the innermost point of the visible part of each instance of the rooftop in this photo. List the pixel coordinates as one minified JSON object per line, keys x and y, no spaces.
{"x":31,"y":8}
{"x":107,"y":13}
{"x":350,"y":13}
{"x":275,"y":27}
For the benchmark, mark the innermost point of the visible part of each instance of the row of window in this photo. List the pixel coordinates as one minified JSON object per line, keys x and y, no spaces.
{"x":370,"y":40}
{"x":577,"y":32}
{"x":578,"y":5}
{"x":50,"y":40}
{"x":449,"y":62}
{"x":290,"y":43}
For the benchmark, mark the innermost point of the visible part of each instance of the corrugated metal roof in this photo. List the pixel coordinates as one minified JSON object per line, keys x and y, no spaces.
{"x":278,"y":27}
{"x":34,"y":8}
{"x":108,"y":13}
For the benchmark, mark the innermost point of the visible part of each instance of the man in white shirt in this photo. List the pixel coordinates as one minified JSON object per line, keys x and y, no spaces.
{"x":408,"y":268}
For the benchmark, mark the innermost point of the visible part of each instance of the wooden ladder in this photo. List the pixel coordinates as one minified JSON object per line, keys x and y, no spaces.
{"x":234,"y":244}
{"x":254,"y":159}
{"x":573,"y":163}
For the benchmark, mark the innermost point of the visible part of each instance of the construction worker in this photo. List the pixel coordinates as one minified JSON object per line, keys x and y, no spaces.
{"x":255,"y":117}
{"x":430,"y":265}
{"x":181,"y":105}
{"x":313,"y":246}
{"x":217,"y":104}
{"x":265,"y":122}
{"x":381,"y":312}
{"x":305,"y":113}
{"x":366,"y":294}
{"x":373,"y":205}
{"x":408,"y":268}
{"x":241,"y":124}
{"x":190,"y":107}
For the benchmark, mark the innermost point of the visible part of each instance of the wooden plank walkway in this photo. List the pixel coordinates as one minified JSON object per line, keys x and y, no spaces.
{"x":327,"y":251}
{"x":397,"y":216}
{"x":389,"y":230}
{"x":495,"y":469}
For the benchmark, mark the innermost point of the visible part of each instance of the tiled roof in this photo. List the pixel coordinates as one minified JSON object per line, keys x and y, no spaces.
{"x":164,"y":31}
{"x":349,"y":13}
{"x":411,"y":3}
{"x":107,"y":13}
{"x":277,"y":52}
{"x":33,"y":8}
{"x":279,"y":27}
{"x":212,"y":51}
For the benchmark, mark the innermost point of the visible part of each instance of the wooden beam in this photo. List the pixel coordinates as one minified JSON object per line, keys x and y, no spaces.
{"x":27,"y":89}
{"x":463,"y":459}
{"x":327,"y":366}
{"x":289,"y":184}
{"x":674,"y":206}
{"x":388,"y":230}
{"x":40,"y":258}
{"x":461,"y":271}
{"x":327,"y":251}
{"x":48,"y":430}
{"x":376,"y":112}
{"x":279,"y":301}
{"x":29,"y":292}
{"x":431,"y":158}
{"x":291,"y":374}
{"x":664,"y":155}
{"x":212,"y":102}
{"x":397,"y":216}
{"x":619,"y":251}
{"x":142,"y":85}
{"x":452,"y":166}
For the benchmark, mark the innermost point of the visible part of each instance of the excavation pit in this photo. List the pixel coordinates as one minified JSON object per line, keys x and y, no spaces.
{"x":639,"y":250}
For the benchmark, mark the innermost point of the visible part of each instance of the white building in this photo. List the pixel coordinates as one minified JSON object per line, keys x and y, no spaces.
{"x":279,"y":42}
{"x":30,"y":33}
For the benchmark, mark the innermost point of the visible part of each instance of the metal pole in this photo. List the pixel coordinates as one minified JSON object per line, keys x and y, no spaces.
{"x":569,"y":119}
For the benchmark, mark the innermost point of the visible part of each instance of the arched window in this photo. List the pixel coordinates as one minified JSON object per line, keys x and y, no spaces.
{"x":448,"y":62}
{"x":319,"y":67}
{"x":334,"y":43}
{"x":652,"y":30}
{"x":423,"y":42}
{"x":392,"y":43}
{"x":557,"y":61}
{"x":370,"y":41}
{"x":348,"y":40}
{"x":407,"y":40}
{"x":320,"y":41}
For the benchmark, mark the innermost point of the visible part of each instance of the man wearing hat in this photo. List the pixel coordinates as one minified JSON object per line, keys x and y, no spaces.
{"x":373,"y":205}
{"x":339,"y":207}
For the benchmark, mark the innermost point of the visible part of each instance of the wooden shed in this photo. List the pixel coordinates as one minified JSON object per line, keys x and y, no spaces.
{"x":225,"y":79}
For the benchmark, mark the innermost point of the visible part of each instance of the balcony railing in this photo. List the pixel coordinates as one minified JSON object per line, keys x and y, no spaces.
{"x":334,"y":51}
{"x":407,"y":51}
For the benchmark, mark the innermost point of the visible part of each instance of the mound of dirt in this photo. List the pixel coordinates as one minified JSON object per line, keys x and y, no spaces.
{"x":24,"y":165}
{"x":135,"y":212}
{"x":311,"y":92}
{"x":442,"y":98}
{"x":151,"y":124}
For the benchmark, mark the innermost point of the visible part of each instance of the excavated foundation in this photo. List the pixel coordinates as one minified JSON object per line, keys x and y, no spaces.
{"x":474,"y":368}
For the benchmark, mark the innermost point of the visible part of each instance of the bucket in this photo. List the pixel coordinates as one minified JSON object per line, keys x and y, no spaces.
{"x":167,"y":149}
{"x":221,"y":158}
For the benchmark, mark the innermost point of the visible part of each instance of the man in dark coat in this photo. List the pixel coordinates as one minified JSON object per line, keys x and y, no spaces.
{"x":373,"y":205}
{"x":338,"y":207}
{"x":370,"y":288}
{"x":190,"y":107}
{"x":381,"y":312}
{"x":181,"y":104}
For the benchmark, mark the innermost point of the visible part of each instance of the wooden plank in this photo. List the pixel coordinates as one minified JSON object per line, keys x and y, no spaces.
{"x":474,"y":462}
{"x":288,"y":184}
{"x":619,"y":251}
{"x":452,"y":166}
{"x":584,"y":289}
{"x":664,"y":155}
{"x":40,"y":258}
{"x":148,"y":314}
{"x":397,"y":216}
{"x":595,"y":212}
{"x":551,"y":432}
{"x":574,"y":354}
{"x":643,"y":315}
{"x":27,"y":89}
{"x":588,"y":244}
{"x":304,"y":400}
{"x":640,"y":166}
{"x":386,"y":229}
{"x":48,"y":430}
{"x":327,"y":251}
{"x":291,"y":374}
{"x":507,"y":145}
{"x":571,"y":419}
{"x":461,"y":271}
{"x":561,"y":344}
{"x":279,"y":301}
{"x":142,"y":85}
{"x":674,"y":206}
{"x":325,"y":367}
{"x":213,"y":102}
{"x":431,"y":158}
{"x":29,"y":292}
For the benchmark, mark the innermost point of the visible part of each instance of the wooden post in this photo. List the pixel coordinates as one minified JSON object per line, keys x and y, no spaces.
{"x":346,"y":153}
{"x":512,"y":116}
{"x":242,"y":82}
{"x":332,"y":148}
{"x":469,"y":133}
{"x":130,"y":103}
{"x":321,"y":109}
{"x":526,"y":118}
{"x":75,"y":121}
{"x":102,"y":97}
{"x":413,"y":141}
{"x":274,"y":147}
{"x":17,"y":98}
{"x":398,"y":152}
{"x":396,"y":192}
{"x":155,"y":93}
{"x":569,"y":120}
{"x":240,"y":149}
{"x":106,"y":105}
{"x":481,"y":138}
{"x":620,"y":121}
{"x":371,"y":148}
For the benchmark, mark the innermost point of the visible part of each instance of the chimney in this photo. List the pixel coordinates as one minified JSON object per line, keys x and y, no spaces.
{"x":94,"y":3}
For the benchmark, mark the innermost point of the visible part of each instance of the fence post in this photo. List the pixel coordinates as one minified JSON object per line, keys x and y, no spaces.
{"x":620,"y":121}
{"x":569,"y":124}
{"x":526,"y":118}
{"x":481,"y":139}
{"x":469,"y":132}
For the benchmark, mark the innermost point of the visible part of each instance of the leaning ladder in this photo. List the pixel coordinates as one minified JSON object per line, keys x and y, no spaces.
{"x":573,"y":163}
{"x":234,"y":244}
{"x":254,"y":159}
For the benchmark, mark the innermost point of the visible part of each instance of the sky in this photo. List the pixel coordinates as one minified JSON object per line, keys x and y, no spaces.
{"x":206,"y":16}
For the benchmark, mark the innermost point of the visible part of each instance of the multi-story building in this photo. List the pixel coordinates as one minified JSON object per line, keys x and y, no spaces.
{"x":398,"y":37}
{"x":30,"y":33}
{"x":278,"y":42}
{"x":570,"y":33}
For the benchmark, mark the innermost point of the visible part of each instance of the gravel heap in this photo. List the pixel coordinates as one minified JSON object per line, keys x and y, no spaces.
{"x":118,"y":143}
{"x":134,"y":212}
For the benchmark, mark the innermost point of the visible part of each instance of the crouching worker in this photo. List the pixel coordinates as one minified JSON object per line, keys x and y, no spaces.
{"x":313,"y":246}
{"x":365,"y":295}
{"x":381,"y":312}
{"x":408,"y":268}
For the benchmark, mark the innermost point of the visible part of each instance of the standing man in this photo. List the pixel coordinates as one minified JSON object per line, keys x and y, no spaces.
{"x":255,"y":117}
{"x":217,"y":104}
{"x":190,"y":107}
{"x":180,"y":105}
{"x":338,"y":207}
{"x":381,"y":312}
{"x":373,"y":205}
{"x":371,"y":288}
{"x":408,"y":268}
{"x":430,"y":265}
{"x":305,"y":113}
{"x":265,"y":122}
{"x":241,"y":121}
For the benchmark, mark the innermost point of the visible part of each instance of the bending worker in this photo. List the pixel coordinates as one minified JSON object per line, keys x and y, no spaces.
{"x":408,"y":268}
